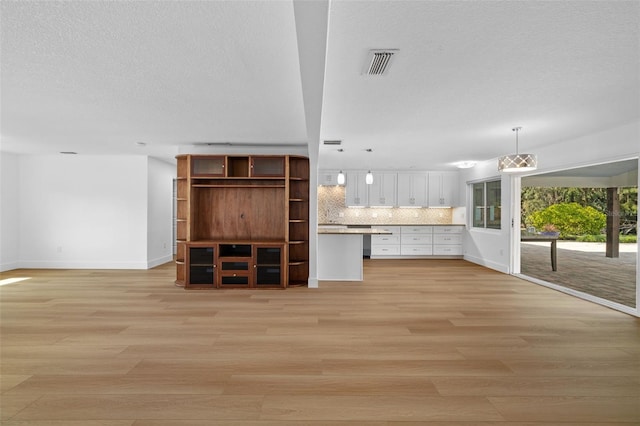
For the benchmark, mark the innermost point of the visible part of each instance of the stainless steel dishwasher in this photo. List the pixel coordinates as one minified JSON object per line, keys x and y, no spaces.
{"x":366,"y":241}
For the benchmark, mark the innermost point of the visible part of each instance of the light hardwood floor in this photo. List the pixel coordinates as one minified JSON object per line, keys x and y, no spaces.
{"x":417,"y":343}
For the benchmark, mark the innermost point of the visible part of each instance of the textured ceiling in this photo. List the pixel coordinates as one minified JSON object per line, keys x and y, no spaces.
{"x":96,"y":77}
{"x":100,"y":76}
{"x":468,"y":72}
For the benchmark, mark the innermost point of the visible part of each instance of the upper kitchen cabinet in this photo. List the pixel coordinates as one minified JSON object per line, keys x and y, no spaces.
{"x":442,"y":189}
{"x":356,"y":190}
{"x":382,"y":193}
{"x":412,"y":189}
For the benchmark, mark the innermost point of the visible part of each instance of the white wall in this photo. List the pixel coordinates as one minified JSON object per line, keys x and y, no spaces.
{"x":492,"y":248}
{"x":159,"y":212}
{"x":9,"y":211}
{"x":79,"y":211}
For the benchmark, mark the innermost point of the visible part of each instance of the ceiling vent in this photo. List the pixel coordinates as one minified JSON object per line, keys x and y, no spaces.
{"x":378,"y":61}
{"x":334,"y":142}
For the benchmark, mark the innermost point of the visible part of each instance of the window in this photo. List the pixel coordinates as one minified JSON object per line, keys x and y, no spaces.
{"x":486,"y":204}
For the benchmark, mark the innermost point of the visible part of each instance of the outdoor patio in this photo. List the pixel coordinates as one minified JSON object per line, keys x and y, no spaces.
{"x":584,"y":267}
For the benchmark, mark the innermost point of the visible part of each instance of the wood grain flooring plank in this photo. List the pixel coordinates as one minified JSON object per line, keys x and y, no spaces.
{"x":213,"y":352}
{"x":426,"y":368}
{"x":538,"y":386}
{"x":125,"y":384}
{"x":258,"y":423}
{"x":10,"y":405}
{"x":369,"y":408}
{"x":61,"y":351}
{"x":35,"y":339}
{"x":124,"y":407}
{"x":69,"y":423}
{"x":585,"y":368}
{"x":547,"y":353}
{"x":31,"y":366}
{"x":566,"y":408}
{"x":243,"y":384}
{"x":9,"y":381}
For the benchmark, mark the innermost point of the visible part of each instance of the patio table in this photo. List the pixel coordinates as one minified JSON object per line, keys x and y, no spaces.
{"x":542,"y":238}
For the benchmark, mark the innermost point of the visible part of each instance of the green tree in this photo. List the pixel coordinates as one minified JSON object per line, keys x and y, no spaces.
{"x":570,"y":219}
{"x":538,"y":198}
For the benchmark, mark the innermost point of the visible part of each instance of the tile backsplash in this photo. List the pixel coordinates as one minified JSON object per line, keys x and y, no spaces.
{"x":331,"y":209}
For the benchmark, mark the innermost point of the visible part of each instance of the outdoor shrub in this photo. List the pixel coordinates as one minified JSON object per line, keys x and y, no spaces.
{"x":592,"y":238}
{"x":570,"y":219}
{"x":601,"y":238}
{"x":628,"y":239}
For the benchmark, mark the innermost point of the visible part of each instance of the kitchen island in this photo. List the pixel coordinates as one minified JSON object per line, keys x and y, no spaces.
{"x":340,"y":252}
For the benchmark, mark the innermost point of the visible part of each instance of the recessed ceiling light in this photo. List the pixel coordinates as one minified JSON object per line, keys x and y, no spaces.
{"x":68,"y":152}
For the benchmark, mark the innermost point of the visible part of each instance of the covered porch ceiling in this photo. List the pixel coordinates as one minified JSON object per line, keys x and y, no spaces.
{"x":607,"y":175}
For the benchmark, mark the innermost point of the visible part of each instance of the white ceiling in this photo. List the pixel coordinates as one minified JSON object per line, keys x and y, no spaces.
{"x":97,"y":77}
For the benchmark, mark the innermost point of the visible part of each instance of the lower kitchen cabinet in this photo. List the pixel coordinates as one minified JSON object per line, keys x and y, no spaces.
{"x":447,"y":241}
{"x":417,"y":241}
{"x":386,"y":244}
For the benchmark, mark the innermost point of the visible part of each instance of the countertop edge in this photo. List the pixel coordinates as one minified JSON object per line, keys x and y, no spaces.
{"x":391,"y":224}
{"x":353,"y":231}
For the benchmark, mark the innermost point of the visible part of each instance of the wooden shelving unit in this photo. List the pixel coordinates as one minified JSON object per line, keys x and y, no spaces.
{"x":298,"y":218}
{"x":259,"y":203}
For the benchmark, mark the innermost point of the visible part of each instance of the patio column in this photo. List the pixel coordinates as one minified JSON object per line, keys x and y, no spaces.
{"x":613,"y":223}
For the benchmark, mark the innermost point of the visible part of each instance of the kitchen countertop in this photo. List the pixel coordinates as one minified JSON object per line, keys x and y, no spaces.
{"x":389,"y":224}
{"x":352,"y":231}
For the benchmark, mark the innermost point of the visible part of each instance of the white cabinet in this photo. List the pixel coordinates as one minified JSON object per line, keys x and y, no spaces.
{"x":416,"y":241}
{"x":356,"y":190}
{"x":442,"y":189}
{"x":382,"y":193}
{"x":447,"y":240}
{"x":412,"y":189}
{"x":328,"y":177}
{"x":386,"y":244}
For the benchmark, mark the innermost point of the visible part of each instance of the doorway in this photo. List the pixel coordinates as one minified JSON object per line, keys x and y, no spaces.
{"x":585,"y":266}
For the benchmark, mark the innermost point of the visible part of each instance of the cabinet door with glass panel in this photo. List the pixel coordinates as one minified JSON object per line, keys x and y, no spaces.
{"x":268,"y":265}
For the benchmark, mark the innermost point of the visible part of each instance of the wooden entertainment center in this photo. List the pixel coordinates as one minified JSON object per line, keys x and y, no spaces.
{"x":242,"y":221}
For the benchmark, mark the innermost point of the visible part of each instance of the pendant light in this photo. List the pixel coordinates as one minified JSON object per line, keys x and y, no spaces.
{"x":341,"y":178}
{"x":369,"y":177}
{"x":517,"y":162}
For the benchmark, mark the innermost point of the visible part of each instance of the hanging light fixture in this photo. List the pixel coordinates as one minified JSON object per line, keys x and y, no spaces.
{"x":369,"y":177}
{"x":340,"y":178}
{"x":517,"y":162}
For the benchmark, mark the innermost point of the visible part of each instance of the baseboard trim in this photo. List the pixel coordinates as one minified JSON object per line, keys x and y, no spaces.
{"x":9,"y":266}
{"x":488,"y":264}
{"x":159,"y":261}
{"x":45,"y":264}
